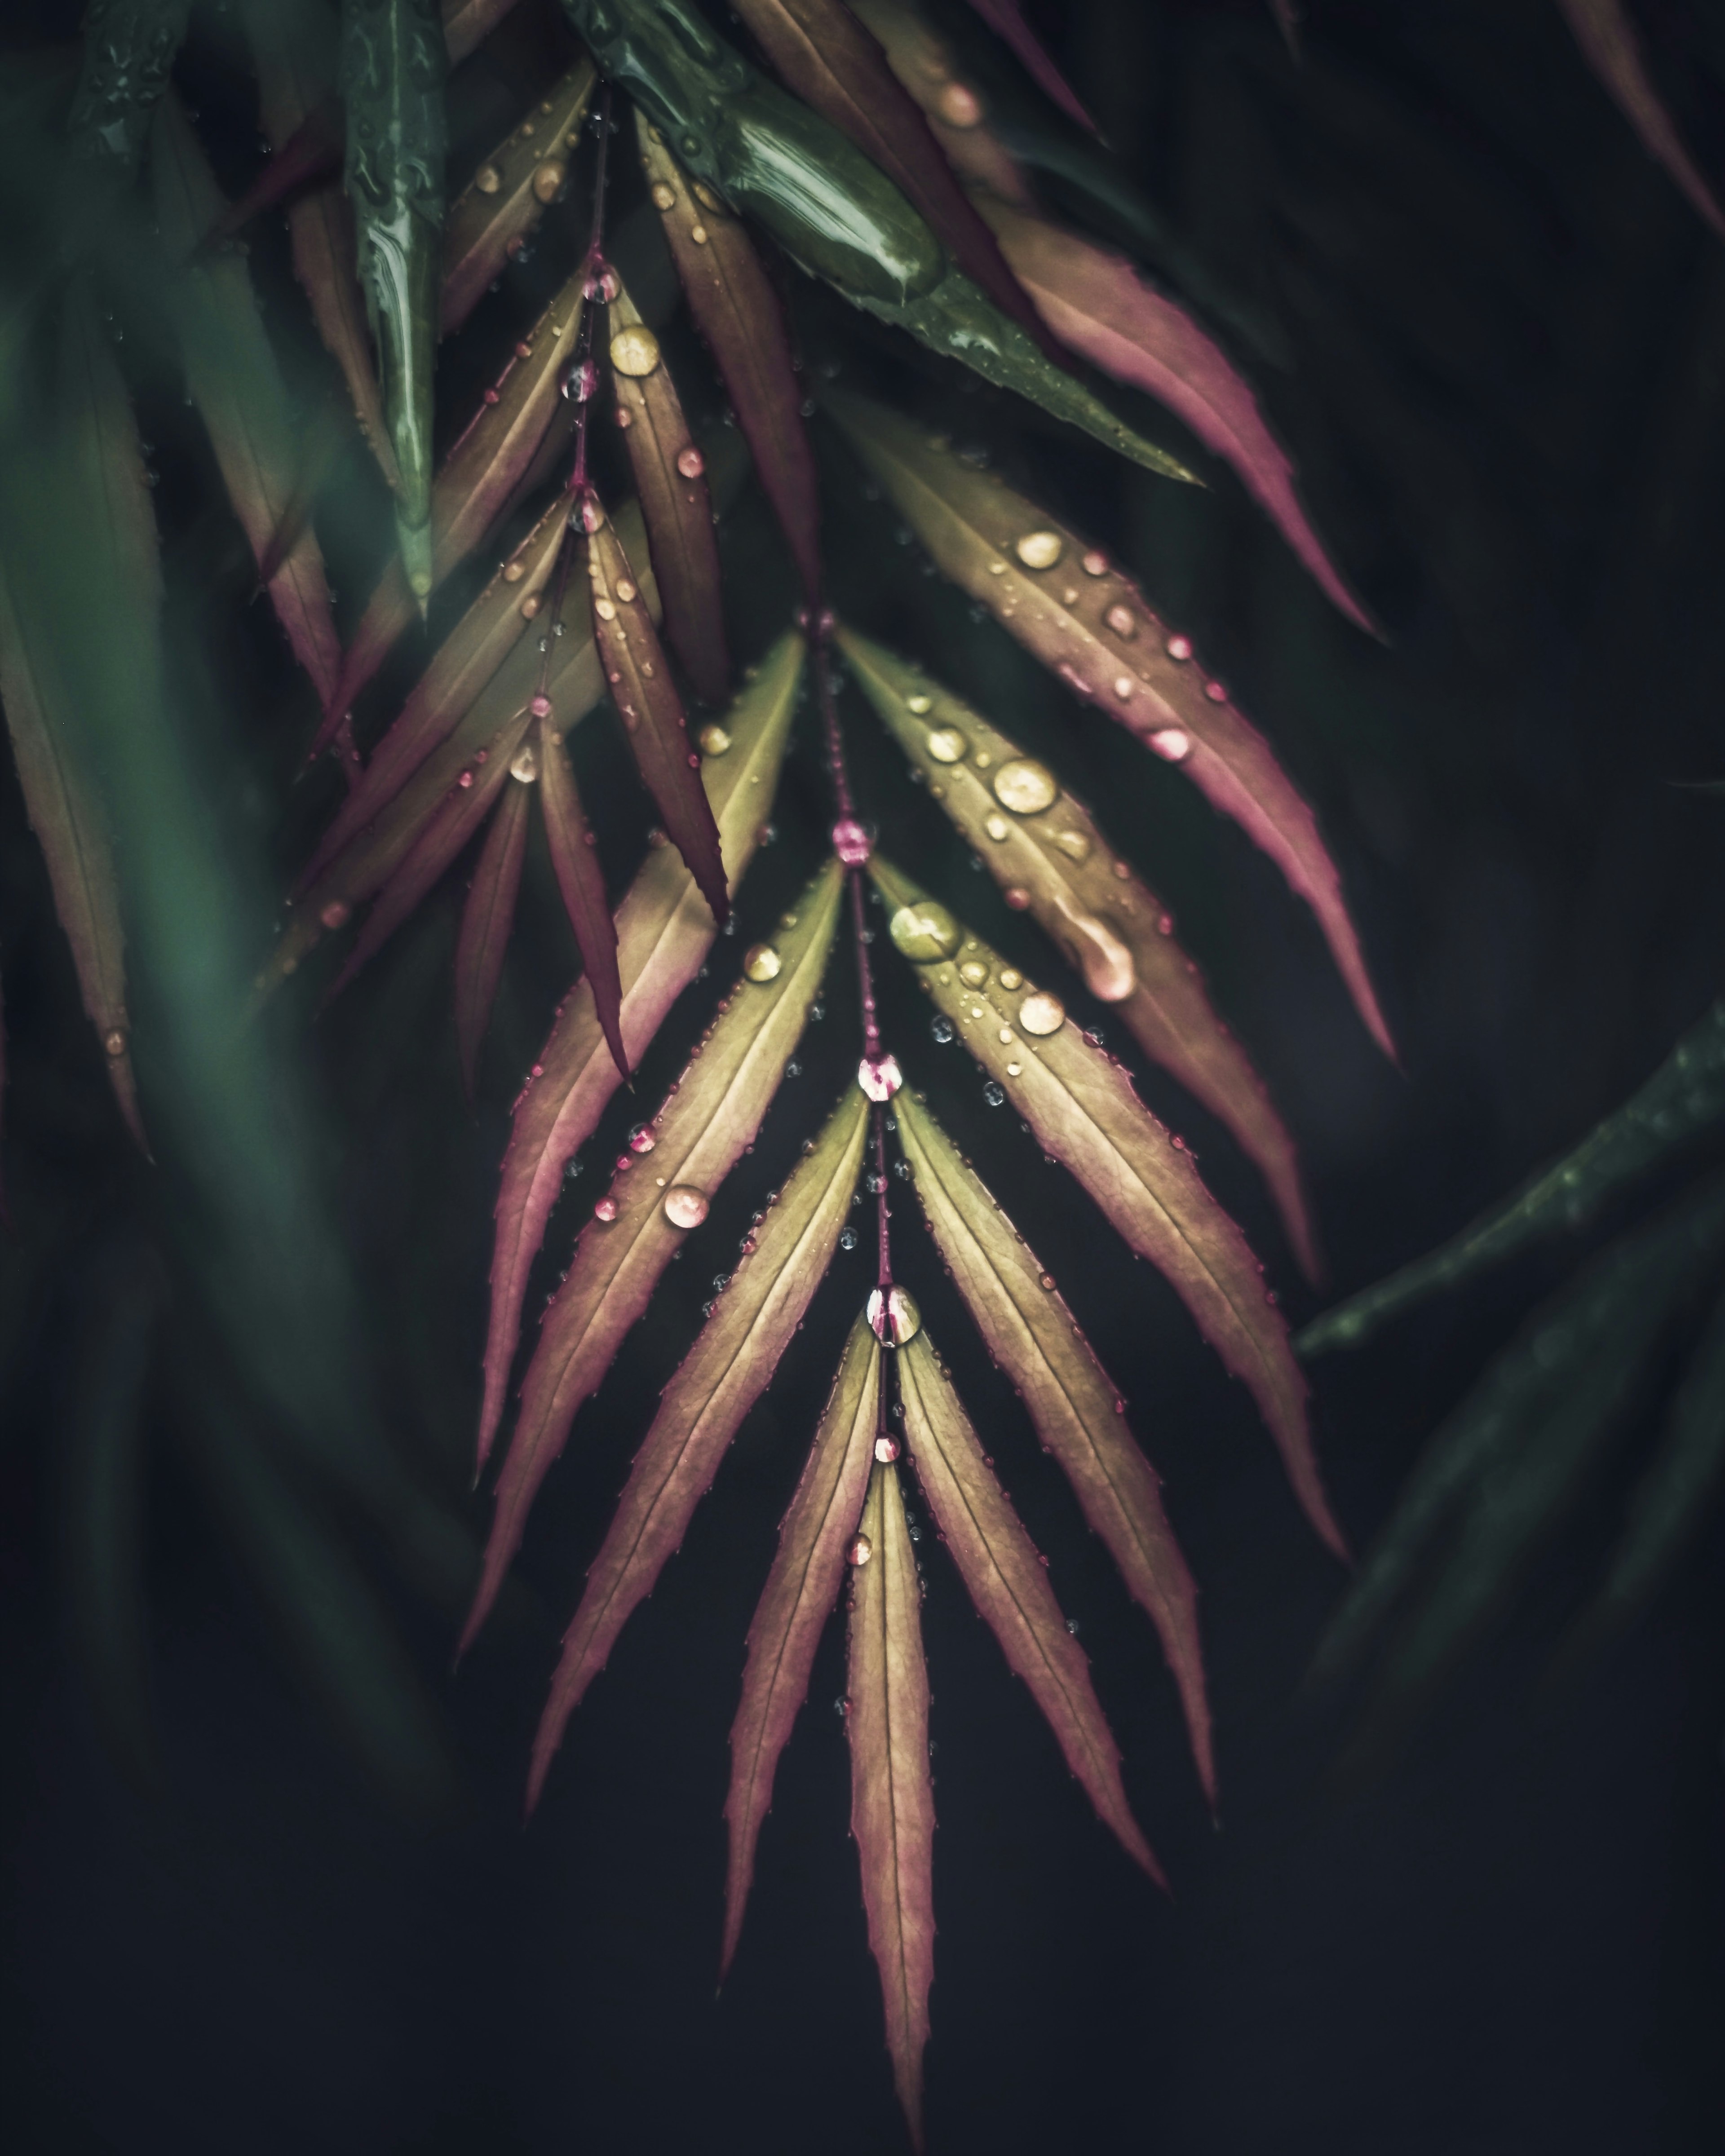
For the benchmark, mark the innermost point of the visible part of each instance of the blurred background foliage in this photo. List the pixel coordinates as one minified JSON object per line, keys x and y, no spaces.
{"x":267,"y":1883}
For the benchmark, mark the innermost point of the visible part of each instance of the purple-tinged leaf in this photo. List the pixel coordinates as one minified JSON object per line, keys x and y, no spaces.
{"x":1006,"y":18}
{"x":1046,"y":851}
{"x":953,"y":108}
{"x":891,"y":1788}
{"x":799,"y":1596}
{"x":1099,"y":306}
{"x":1008,"y":1583}
{"x":1074,"y":612}
{"x":1029,"y":1332}
{"x":492,"y":217}
{"x":738,"y":312}
{"x":1081,"y":1106}
{"x":234,"y":379}
{"x":1607,"y":38}
{"x":670,"y":482}
{"x":712,"y":1113}
{"x":647,"y":703}
{"x":467,"y":24}
{"x":726,"y":1372}
{"x":487,"y":918}
{"x":664,"y":931}
{"x":578,"y":878}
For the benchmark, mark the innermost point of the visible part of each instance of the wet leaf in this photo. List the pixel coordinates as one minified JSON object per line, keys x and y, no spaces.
{"x":712,"y":1113}
{"x":1043,"y":850}
{"x":670,"y":484}
{"x":128,"y":49}
{"x":1081,"y":1106}
{"x":47,"y":747}
{"x":581,"y":884}
{"x":1006,"y":18}
{"x":392,"y":66}
{"x":801,"y":1590}
{"x":730,"y":1366}
{"x":647,"y":703}
{"x":467,"y":24}
{"x":1098,"y":305}
{"x":1685,"y":1096}
{"x":1007,"y":1582}
{"x":738,"y":312}
{"x":486,"y":922}
{"x":664,"y":931}
{"x":1029,"y":1332}
{"x":508,"y":195}
{"x":232,"y":374}
{"x":891,"y":1789}
{"x":1607,"y":38}
{"x":922,"y":61}
{"x":1070,"y":608}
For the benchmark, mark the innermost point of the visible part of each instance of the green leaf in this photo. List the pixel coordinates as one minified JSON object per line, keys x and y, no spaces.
{"x":129,"y":48}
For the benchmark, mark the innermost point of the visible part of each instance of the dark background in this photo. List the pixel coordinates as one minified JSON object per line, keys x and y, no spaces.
{"x":1502,"y":332}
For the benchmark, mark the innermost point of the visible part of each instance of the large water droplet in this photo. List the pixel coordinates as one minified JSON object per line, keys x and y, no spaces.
{"x":634,"y":351}
{"x":685,"y":1206}
{"x":1041,"y":1013}
{"x":850,"y":842}
{"x":885,"y":1450}
{"x":691,"y":462}
{"x":879,"y":1076}
{"x":860,"y":1551}
{"x":605,"y":1210}
{"x":761,"y":962}
{"x":664,"y":197}
{"x":488,"y":179}
{"x":946,"y":745}
{"x":894,"y":1315}
{"x":974,"y":973}
{"x":1040,"y":550}
{"x":549,"y":179}
{"x":1171,"y":743}
{"x":641,"y":1139}
{"x":1026,"y":787}
{"x":525,"y":765}
{"x":714,"y":741}
{"x":997,"y":828}
{"x":1104,"y":962}
{"x":925,"y":932}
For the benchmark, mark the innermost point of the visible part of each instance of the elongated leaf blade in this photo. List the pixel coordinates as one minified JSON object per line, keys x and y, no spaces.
{"x":664,"y":931}
{"x":1029,"y":1332}
{"x":730,"y":1366}
{"x":891,"y":1789}
{"x":128,"y":49}
{"x":1082,"y":1108}
{"x":1006,"y":18}
{"x":232,"y":374}
{"x":738,"y":312}
{"x":671,"y":482}
{"x":651,"y":710}
{"x":307,"y":158}
{"x":1043,"y":848}
{"x":1607,"y":38}
{"x":467,"y":24}
{"x":1098,"y":305}
{"x":1007,"y":1581}
{"x":801,"y":1592}
{"x":486,"y":922}
{"x":501,"y":206}
{"x":581,"y":884}
{"x":712,"y":1113}
{"x":922,"y":61}
{"x":1684,"y":1097}
{"x":1088,"y":623}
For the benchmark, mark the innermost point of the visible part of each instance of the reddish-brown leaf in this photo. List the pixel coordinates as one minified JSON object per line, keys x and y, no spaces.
{"x":581,"y":884}
{"x":1006,"y":18}
{"x":833,"y":63}
{"x":738,"y":312}
{"x":1029,"y":1332}
{"x":953,"y":106}
{"x":1607,"y":38}
{"x":730,"y":1366}
{"x":651,"y":710}
{"x":799,"y":1597}
{"x":1081,"y":1106}
{"x":664,"y":931}
{"x":1098,"y":305}
{"x":486,"y":920}
{"x":1061,"y":870}
{"x":1074,"y":611}
{"x":491,"y":217}
{"x":670,"y":482}
{"x":467,"y":24}
{"x":713,"y":1112}
{"x":891,"y":1789}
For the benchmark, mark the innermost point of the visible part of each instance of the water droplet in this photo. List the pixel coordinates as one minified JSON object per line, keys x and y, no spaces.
{"x":540,"y":706}
{"x":114,"y":1044}
{"x":959,"y":105}
{"x":697,"y":233}
{"x":1170,"y":743}
{"x":605,"y":1210}
{"x":531,"y":606}
{"x":847,"y":1238}
{"x":641,"y":1139}
{"x":1011,"y":977}
{"x":488,"y":179}
{"x":860,"y":1551}
{"x":664,"y":197}
{"x":1040,"y":550}
{"x":524,"y":766}
{"x":1074,"y":844}
{"x":714,"y":741}
{"x":685,"y":1206}
{"x":974,"y":973}
{"x":580,"y":383}
{"x":513,"y":573}
{"x":1180,"y":647}
{"x":1071,"y":1622}
{"x":946,"y":745}
{"x":691,"y":462}
{"x":335,"y":914}
{"x":548,"y":180}
{"x":606,"y":609}
{"x":1026,"y":787}
{"x":850,"y":842}
{"x":919,"y":704}
{"x":761,"y":962}
{"x":879,"y":1076}
{"x":1096,"y":564}
{"x":943,"y":1030}
{"x":885,"y":1450}
{"x":634,"y":351}
{"x":1104,"y":962}
{"x":466,"y":779}
{"x":997,"y":828}
{"x":1016,"y":898}
{"x":1216,"y":693}
{"x":896,"y":1313}
{"x":925,"y":933}
{"x":1123,"y":687}
{"x":1041,"y":1013}
{"x":993,"y":1094}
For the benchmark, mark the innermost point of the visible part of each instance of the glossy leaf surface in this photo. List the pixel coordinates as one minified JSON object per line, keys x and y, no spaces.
{"x":582,"y":886}
{"x":128,"y":49}
{"x":486,"y":922}
{"x":503,"y":204}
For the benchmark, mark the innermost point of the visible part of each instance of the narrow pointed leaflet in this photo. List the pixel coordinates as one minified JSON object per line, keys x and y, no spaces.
{"x":393,"y":69}
{"x":488,"y":917}
{"x":1081,"y":1106}
{"x":738,"y":312}
{"x":1606,"y":35}
{"x":730,"y":1366}
{"x":502,"y":205}
{"x":1006,"y":18}
{"x":801,"y":1591}
{"x":1007,"y":1582}
{"x":1030,"y":1334}
{"x":670,"y":484}
{"x":582,"y":886}
{"x":1072,"y":609}
{"x":664,"y":931}
{"x":652,"y":711}
{"x":660,"y":1192}
{"x":891,"y":1789}
{"x":1048,"y":856}
{"x":232,"y":374}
